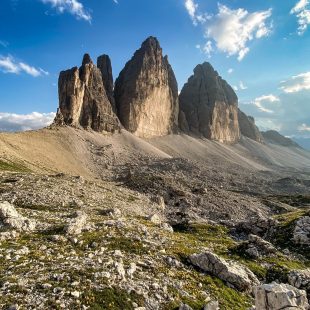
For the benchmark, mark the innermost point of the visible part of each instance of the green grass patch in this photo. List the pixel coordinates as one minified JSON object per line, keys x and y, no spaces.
{"x":11,"y":166}
{"x":111,"y":298}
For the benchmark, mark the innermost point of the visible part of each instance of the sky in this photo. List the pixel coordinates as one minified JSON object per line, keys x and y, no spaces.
{"x":261,"y":48}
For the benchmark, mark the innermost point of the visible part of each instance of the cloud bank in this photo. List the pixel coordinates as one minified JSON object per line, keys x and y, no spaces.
{"x":22,"y":122}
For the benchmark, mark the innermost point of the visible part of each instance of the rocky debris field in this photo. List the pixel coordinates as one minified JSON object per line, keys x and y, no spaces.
{"x":67,"y":242}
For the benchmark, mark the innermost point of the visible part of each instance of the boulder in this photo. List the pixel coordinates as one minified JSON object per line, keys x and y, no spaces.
{"x":83,"y":101}
{"x":300,"y":279}
{"x":210,"y":106}
{"x":212,"y":305}
{"x":248,"y":127}
{"x":301,"y":233}
{"x":232,"y":273}
{"x":277,"y":296}
{"x":146,"y":93}
{"x":76,"y":224}
{"x":257,"y":247}
{"x":185,"y":307}
{"x":10,"y":218}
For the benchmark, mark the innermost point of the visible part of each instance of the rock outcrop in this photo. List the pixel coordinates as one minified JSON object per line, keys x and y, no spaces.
{"x":276,"y":296}
{"x":273,"y":137}
{"x":105,"y":66}
{"x":11,"y":219}
{"x":301,"y":233}
{"x":146,"y":93}
{"x":234,"y":274}
{"x":300,"y":279}
{"x":248,"y":127}
{"x":76,"y":224}
{"x":210,"y":106}
{"x":83,"y":101}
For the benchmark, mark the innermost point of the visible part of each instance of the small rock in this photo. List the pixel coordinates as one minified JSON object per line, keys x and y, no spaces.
{"x":76,"y":224}
{"x":154,"y":218}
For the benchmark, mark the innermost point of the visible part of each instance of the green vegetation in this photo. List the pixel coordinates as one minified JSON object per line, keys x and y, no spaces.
{"x":11,"y":166}
{"x":283,"y":235}
{"x":111,"y":298}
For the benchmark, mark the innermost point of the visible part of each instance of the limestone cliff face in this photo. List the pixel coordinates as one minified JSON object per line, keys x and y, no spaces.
{"x":146,"y":93}
{"x":104,"y":65}
{"x":83,"y":101}
{"x":210,"y":106}
{"x":248,"y":127}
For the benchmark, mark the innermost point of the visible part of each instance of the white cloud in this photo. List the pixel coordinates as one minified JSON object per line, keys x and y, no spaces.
{"x":302,"y":12}
{"x":21,"y":122}
{"x":262,"y":101}
{"x":9,"y":65}
{"x":304,"y":127}
{"x":297,"y":83}
{"x":231,"y":30}
{"x":191,"y":8}
{"x":242,"y":86}
{"x":230,"y":70}
{"x":208,"y":48}
{"x":74,"y":7}
{"x":115,"y":1}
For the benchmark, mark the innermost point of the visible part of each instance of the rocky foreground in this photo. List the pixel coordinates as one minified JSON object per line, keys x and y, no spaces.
{"x":69,"y":242}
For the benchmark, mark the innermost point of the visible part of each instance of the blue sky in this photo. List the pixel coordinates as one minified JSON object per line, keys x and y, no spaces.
{"x":261,"y":48}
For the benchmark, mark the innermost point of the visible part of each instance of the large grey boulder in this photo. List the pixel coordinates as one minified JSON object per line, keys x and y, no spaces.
{"x":210,"y":106}
{"x":277,"y":296}
{"x":10,"y":218}
{"x":232,"y":273}
{"x":83,"y":101}
{"x":146,"y":93}
{"x":302,"y":231}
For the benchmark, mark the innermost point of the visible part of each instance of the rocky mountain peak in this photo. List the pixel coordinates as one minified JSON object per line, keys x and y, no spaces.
{"x":83,"y":101}
{"x":210,"y":106}
{"x":86,"y":60}
{"x":105,"y":66}
{"x":146,"y":93}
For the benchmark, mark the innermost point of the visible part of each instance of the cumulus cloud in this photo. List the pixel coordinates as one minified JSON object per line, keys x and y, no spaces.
{"x":74,"y":7}
{"x":22,"y":122}
{"x":263,"y":101}
{"x":230,"y":70}
{"x":231,"y":30}
{"x":302,"y":11}
{"x":9,"y":65}
{"x":297,"y":83}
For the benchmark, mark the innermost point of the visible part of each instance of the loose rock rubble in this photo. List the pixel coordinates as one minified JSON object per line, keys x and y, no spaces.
{"x":234,"y":274}
{"x":76,"y":225}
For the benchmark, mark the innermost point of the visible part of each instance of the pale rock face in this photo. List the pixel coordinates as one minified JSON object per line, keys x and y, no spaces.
{"x":210,"y":106}
{"x":300,"y":279}
{"x":10,"y":218}
{"x":302,"y":231}
{"x":248,"y":127}
{"x":83,"y":101}
{"x":146,"y":93}
{"x":276,"y":296}
{"x":234,"y":274}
